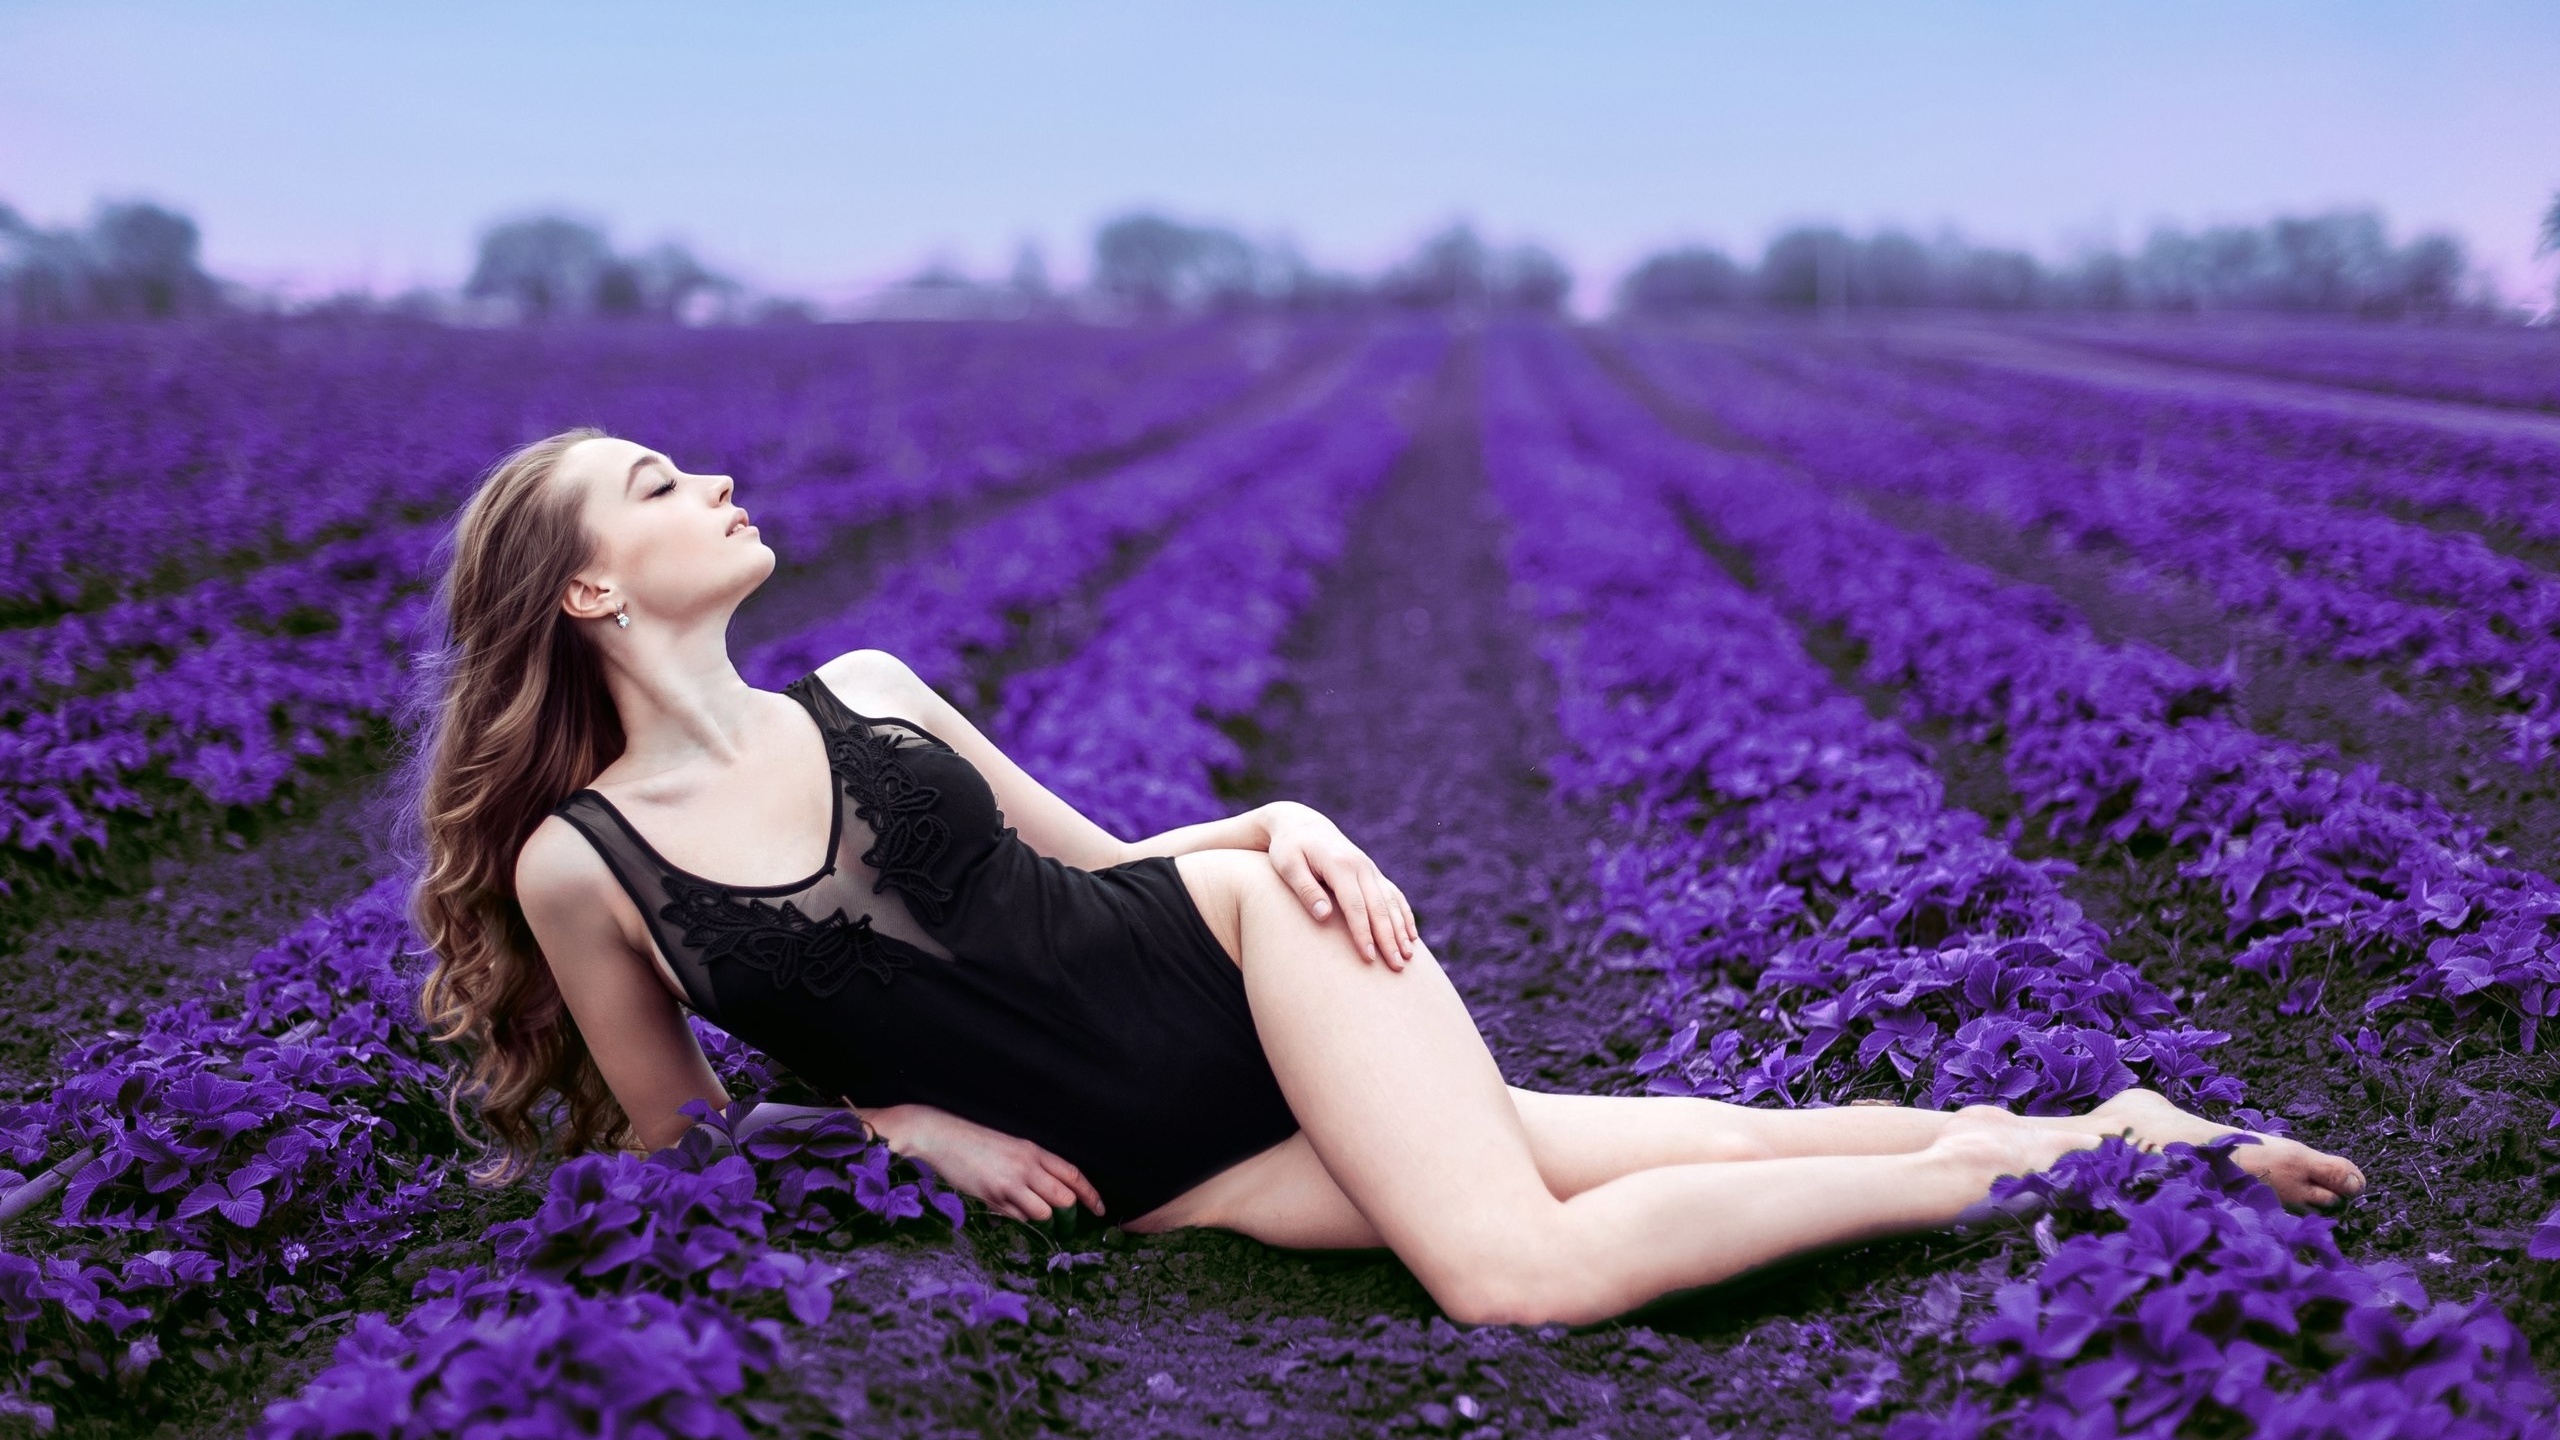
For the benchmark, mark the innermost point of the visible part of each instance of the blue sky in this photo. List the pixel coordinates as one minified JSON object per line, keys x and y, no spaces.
{"x":828,"y":148}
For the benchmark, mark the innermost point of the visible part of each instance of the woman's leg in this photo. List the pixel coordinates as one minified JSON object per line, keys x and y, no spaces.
{"x":1285,"y":1197}
{"x":1404,"y":1106}
{"x":1587,"y":1139}
{"x":1409,"y":1118}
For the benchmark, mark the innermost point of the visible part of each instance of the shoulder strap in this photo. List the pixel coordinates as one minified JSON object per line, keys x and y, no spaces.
{"x":628,"y":862}
{"x":834,"y":717}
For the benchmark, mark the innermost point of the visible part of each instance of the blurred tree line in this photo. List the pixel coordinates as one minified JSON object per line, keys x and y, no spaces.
{"x":137,"y":260}
{"x":134,"y":261}
{"x":552,"y":267}
{"x":1154,"y":265}
{"x":2339,"y":263}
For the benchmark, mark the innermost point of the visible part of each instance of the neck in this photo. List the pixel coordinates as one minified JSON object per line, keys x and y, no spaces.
{"x":681,"y":699}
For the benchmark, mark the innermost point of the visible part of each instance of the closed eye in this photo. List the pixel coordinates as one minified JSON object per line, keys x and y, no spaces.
{"x":663,"y":489}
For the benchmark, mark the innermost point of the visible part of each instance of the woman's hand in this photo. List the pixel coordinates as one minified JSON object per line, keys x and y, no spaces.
{"x":1327,"y":871}
{"x":1010,"y":1174}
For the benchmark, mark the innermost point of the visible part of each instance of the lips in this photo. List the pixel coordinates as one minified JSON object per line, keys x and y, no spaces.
{"x":738,"y":524}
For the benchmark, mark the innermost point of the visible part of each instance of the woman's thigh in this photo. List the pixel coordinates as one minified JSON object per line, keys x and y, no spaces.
{"x":1391,"y":1082}
{"x":1288,"y":1195}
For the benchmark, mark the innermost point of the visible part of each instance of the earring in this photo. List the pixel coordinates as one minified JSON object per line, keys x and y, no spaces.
{"x":622,"y":617}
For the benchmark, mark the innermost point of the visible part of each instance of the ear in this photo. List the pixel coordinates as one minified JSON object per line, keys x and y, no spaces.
{"x":587,"y":599}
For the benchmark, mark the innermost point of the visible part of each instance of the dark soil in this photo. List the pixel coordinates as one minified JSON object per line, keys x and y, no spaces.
{"x":189,"y":915}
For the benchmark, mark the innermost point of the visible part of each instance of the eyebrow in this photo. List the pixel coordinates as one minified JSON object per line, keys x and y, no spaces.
{"x":634,"y":472}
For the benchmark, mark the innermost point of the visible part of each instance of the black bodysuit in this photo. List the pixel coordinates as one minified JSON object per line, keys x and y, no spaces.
{"x":938,"y":959}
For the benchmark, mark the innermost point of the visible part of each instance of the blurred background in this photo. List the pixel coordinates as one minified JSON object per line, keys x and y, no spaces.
{"x":507,"y":163}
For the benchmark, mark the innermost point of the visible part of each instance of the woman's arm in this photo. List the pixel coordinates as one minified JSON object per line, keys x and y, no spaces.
{"x":1046,"y":823}
{"x":1310,"y":852}
{"x":1007,"y":1173}
{"x":1248,"y":831}
{"x":632,"y":1027}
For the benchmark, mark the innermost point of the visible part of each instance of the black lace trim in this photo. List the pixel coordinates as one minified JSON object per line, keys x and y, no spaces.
{"x":907,"y":836}
{"x":816,"y":955}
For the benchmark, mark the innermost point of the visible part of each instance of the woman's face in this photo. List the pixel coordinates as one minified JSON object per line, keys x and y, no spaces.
{"x":671,"y":546}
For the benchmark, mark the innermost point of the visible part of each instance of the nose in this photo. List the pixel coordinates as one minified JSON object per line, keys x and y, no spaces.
{"x":721,"y":492}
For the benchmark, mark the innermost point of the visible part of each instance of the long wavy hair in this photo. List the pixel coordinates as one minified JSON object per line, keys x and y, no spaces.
{"x":508,"y":714}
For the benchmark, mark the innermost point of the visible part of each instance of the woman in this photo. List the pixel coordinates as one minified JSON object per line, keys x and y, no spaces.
{"x":1233,"y":1024}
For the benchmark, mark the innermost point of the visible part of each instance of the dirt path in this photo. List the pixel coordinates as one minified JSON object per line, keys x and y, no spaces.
{"x":1420,"y":720}
{"x":2201,"y":382}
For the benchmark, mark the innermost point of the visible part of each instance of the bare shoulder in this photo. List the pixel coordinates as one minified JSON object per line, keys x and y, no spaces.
{"x":557,"y":864}
{"x":572,"y":901}
{"x":875,"y":682}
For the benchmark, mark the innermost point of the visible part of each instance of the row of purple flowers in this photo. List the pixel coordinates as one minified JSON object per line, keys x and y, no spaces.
{"x":152,"y":458}
{"x":1126,"y":729}
{"x":2108,"y":743}
{"x":2341,"y":581}
{"x":936,"y":611}
{"x":232,"y":685}
{"x":2447,"y":472}
{"x":2112,"y":744}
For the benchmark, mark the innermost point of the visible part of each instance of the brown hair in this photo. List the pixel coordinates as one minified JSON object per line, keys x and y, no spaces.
{"x":511,"y":714}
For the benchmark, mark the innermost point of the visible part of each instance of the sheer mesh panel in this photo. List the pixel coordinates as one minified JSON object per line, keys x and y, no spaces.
{"x":813,"y":934}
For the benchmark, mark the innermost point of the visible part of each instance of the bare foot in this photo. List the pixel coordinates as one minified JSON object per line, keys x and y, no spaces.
{"x":2001,"y":1143}
{"x":2299,"y":1174}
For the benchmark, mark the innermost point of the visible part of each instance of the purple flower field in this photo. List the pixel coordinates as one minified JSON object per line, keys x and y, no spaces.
{"x":1757,"y":712}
